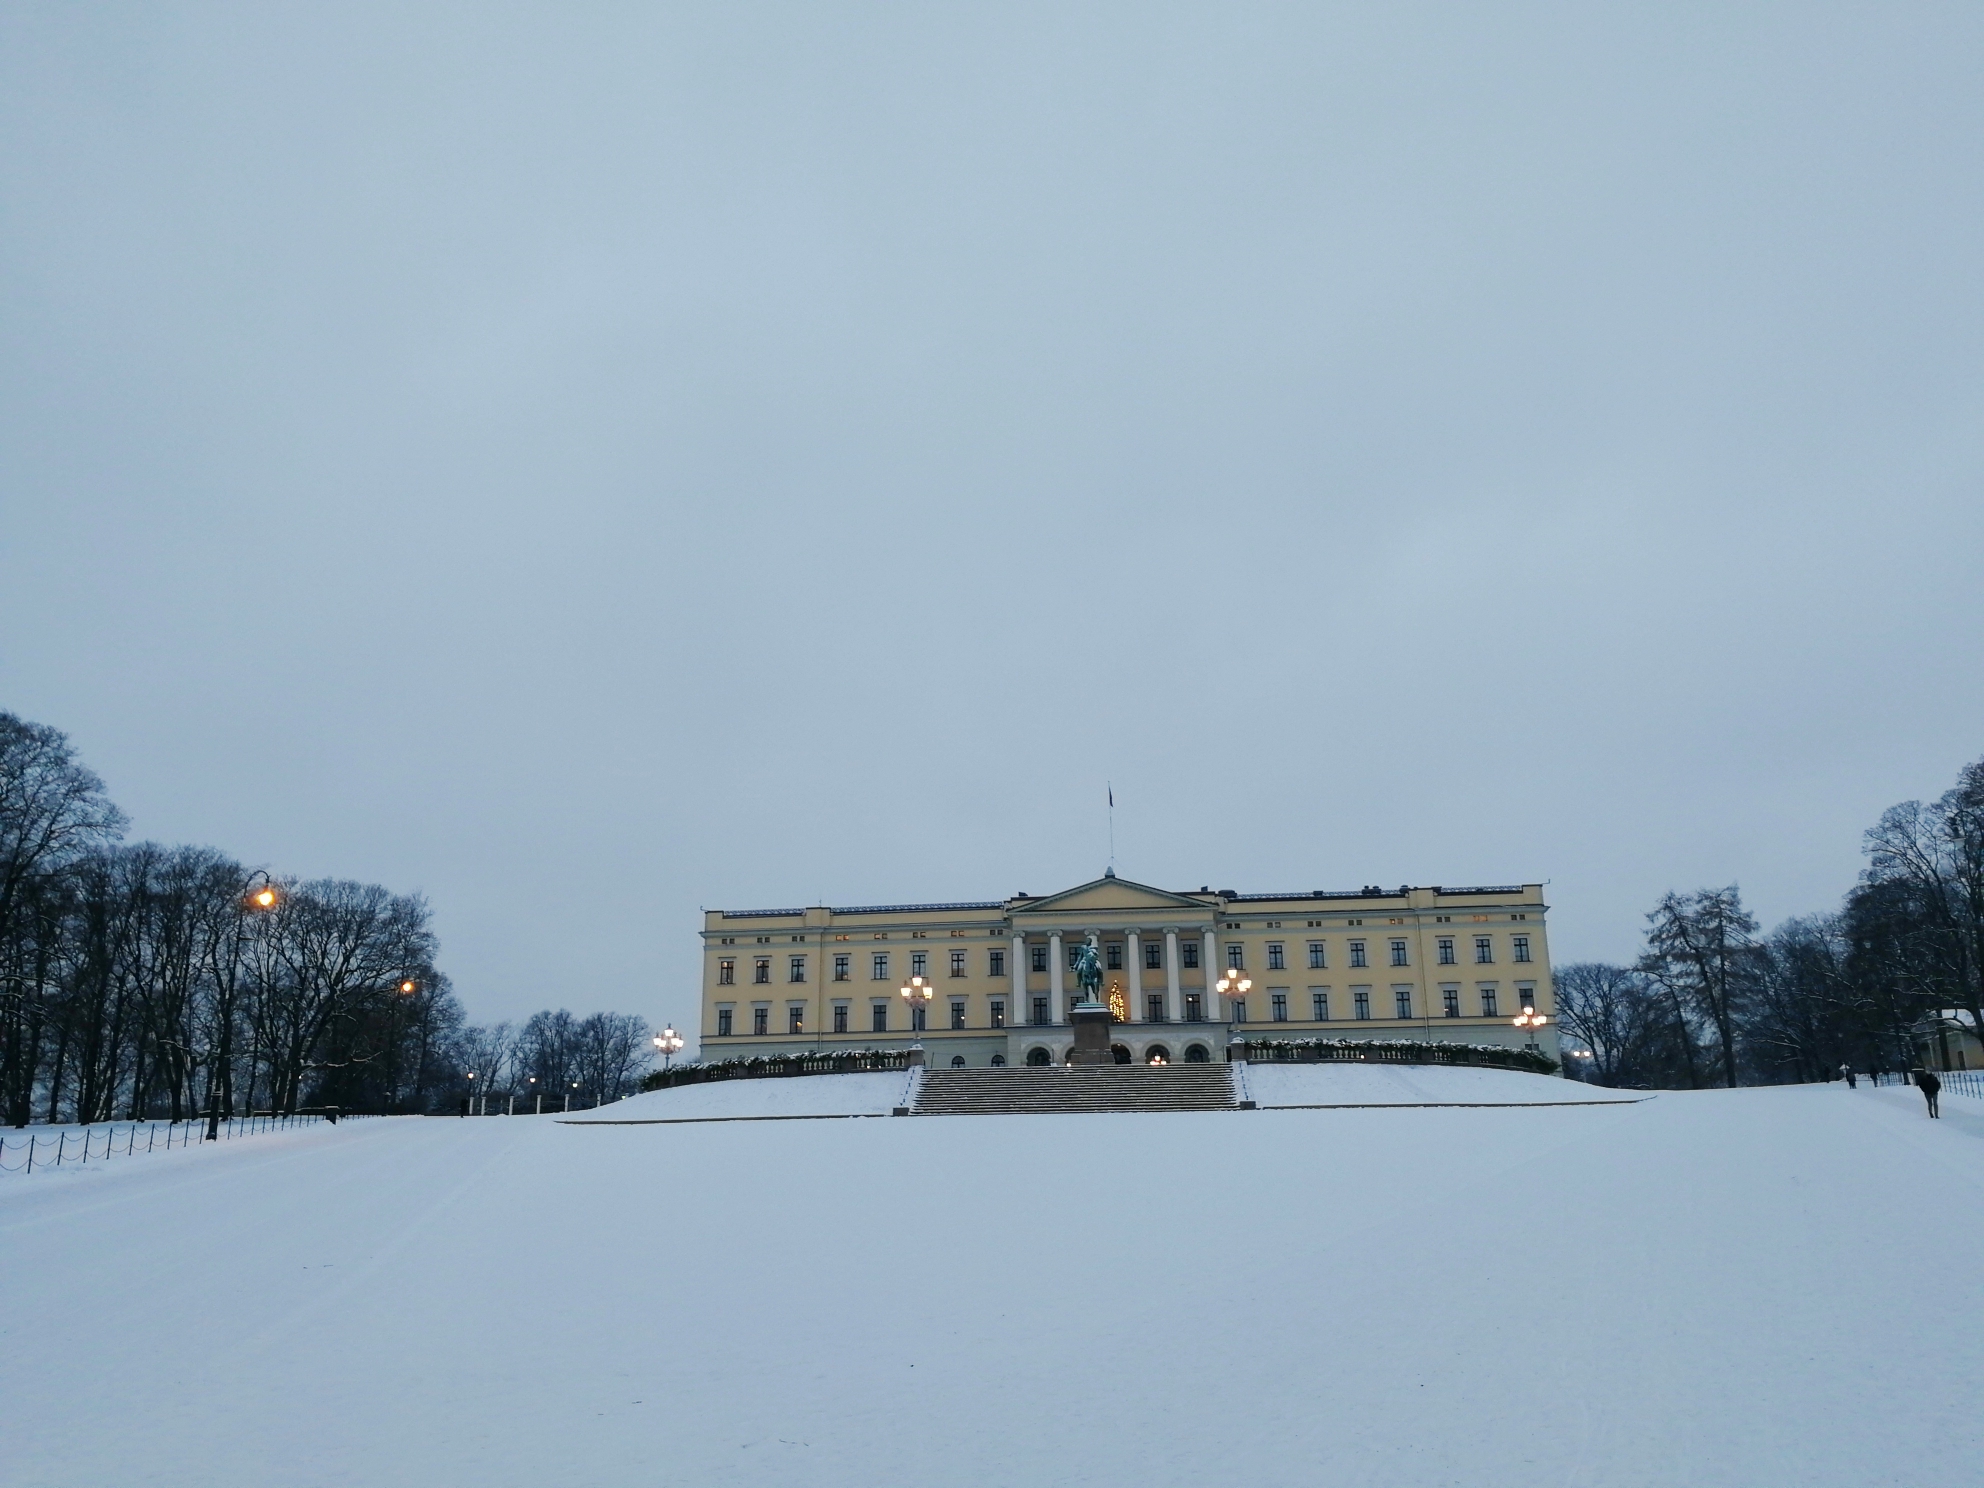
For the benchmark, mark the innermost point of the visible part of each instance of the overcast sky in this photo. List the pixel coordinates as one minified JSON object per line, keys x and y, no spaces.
{"x":587,"y":463}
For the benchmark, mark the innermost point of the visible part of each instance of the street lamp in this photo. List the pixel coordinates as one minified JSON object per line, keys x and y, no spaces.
{"x":1529,"y":1020}
{"x":471,"y":1091}
{"x":538,"y":1109}
{"x":916,"y":993}
{"x":669,"y":1042}
{"x":1233,"y":986}
{"x":253,"y":901}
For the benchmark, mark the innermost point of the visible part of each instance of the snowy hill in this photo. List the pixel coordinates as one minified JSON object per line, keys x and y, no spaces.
{"x":1719,"y":1288}
{"x":1266,"y":1085}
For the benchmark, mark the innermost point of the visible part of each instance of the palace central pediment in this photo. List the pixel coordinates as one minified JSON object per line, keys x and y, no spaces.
{"x":1115,"y":896}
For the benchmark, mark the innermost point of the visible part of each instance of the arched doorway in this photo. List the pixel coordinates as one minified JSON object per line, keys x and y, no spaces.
{"x":957,"y":1061}
{"x":1038,"y":1057}
{"x":1197,"y":1054}
{"x":1157,"y":1054}
{"x":998,"y":1061}
{"x":1120,"y":1053}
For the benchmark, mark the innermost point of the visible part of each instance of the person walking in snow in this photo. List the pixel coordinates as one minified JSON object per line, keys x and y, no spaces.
{"x":1931,"y":1088}
{"x":1846,"y":1070}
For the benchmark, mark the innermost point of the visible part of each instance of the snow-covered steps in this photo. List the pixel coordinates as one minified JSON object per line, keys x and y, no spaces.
{"x":1068,"y":1089}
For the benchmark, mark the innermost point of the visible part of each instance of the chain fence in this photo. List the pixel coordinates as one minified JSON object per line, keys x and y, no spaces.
{"x":52,"y":1150}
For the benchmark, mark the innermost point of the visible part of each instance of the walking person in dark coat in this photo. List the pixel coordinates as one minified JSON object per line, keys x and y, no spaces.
{"x":1847,"y":1071}
{"x":1931,"y":1088}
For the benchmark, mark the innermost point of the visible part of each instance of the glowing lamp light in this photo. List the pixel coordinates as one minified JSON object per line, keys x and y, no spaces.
{"x":266,"y":898}
{"x":407,"y":987}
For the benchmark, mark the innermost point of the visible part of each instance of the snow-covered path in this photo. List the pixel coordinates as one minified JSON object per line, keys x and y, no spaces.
{"x":1743,"y":1288}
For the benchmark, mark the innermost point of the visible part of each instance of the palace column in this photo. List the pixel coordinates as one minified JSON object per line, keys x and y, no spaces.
{"x":1132,"y":946}
{"x":1174,"y":1003}
{"x":1059,"y":1007}
{"x":1209,"y":959}
{"x":1019,"y":1011}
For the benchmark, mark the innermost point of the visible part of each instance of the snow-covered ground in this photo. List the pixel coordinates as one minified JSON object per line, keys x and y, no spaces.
{"x":1756,"y":1287}
{"x":791,"y":1095}
{"x":1349,"y":1084}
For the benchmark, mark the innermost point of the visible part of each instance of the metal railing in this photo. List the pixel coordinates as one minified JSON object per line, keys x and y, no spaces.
{"x":78,"y":1147}
{"x":1959,"y":1082}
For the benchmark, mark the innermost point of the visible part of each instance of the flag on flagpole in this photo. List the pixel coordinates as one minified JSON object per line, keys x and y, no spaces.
{"x":1112,"y":797}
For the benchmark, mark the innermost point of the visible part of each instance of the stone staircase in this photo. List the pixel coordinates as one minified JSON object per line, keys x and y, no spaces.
{"x":1063,"y":1089}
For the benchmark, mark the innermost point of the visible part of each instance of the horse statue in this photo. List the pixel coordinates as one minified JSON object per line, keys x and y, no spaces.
{"x":1088,"y":971}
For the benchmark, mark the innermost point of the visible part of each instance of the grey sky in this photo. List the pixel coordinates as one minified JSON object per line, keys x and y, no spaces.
{"x":587,"y":463}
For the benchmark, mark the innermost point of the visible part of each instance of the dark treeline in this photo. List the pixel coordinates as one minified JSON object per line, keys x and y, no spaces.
{"x":1888,"y":981}
{"x":140,"y":980}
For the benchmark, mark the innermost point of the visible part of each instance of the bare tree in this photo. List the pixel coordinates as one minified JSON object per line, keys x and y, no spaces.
{"x":1700,"y":949}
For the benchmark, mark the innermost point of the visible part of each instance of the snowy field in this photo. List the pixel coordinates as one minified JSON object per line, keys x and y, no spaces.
{"x":1741,"y":1288}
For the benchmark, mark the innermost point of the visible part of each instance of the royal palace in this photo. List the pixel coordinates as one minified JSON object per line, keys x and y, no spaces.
{"x":991,"y":983}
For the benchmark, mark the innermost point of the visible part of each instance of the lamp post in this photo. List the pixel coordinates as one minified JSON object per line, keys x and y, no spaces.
{"x":471,"y":1094}
{"x":1233,"y":986}
{"x":538,"y":1097}
{"x":669,"y":1042}
{"x":253,"y":901}
{"x":1529,"y":1020}
{"x":568,"y":1095}
{"x":916,"y":995}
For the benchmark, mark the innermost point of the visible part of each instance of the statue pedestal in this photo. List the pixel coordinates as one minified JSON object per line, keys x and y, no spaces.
{"x":1091,"y":1021}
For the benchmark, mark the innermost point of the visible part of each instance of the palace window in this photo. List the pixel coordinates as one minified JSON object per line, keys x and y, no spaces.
{"x":1240,"y":1010}
{"x":1451,"y":997}
{"x":1040,"y":958}
{"x":917,"y":1021}
{"x":723,"y":1022}
{"x":1040,"y":1010}
{"x":957,"y":963}
{"x":878,"y":966}
{"x":1278,"y":1006}
{"x":1319,"y":1005}
{"x":997,"y":964}
{"x":761,"y":1019}
{"x":795,"y":970}
{"x":840,"y":1017}
{"x":1112,"y":955}
{"x":1484,"y":951}
{"x":1398,"y":953}
{"x":957,"y":1012}
{"x":1361,"y":1002}
{"x":795,"y":1020}
{"x":1188,"y":953}
{"x":1521,"y":944}
{"x":1195,"y":1008}
{"x":1316,"y":961}
{"x":1275,"y":960}
{"x":1236,"y":959}
{"x":1153,"y":955}
{"x":1488,"y":1002}
{"x":1357,"y":957}
{"x":761,"y":970}
{"x":998,"y":1012}
{"x":1154,"y":1007}
{"x":1446,"y":950}
{"x":1073,"y":951}
{"x":841,"y":967}
{"x":878,"y":1018}
{"x":726,"y":972}
{"x":1403,"y":999}
{"x":919,"y":963}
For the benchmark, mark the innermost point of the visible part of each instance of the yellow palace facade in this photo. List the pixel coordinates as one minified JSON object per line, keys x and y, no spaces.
{"x":1442,"y":963}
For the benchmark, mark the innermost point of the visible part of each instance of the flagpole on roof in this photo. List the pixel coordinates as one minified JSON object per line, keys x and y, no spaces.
{"x":1112,"y":825}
